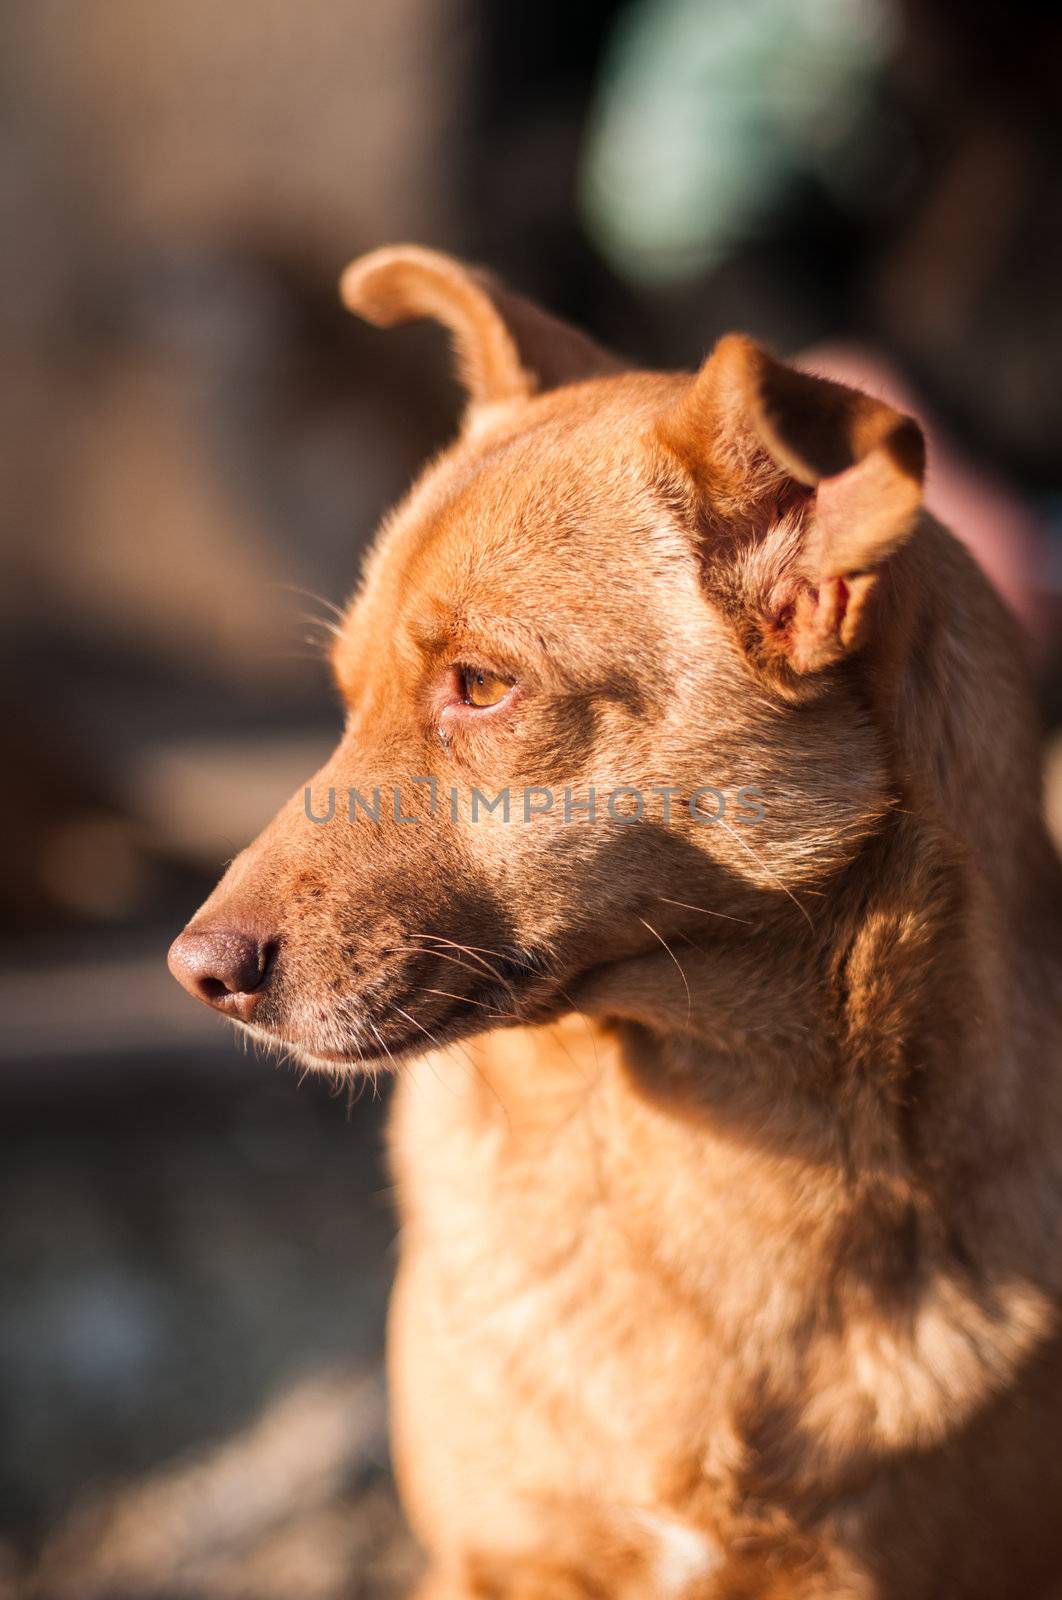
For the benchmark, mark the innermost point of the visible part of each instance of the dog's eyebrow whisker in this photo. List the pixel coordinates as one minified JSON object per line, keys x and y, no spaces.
{"x":675,"y":959}
{"x":320,"y":622}
{"x":764,"y":868}
{"x":320,"y":645}
{"x":311,"y":594}
{"x":725,"y":915}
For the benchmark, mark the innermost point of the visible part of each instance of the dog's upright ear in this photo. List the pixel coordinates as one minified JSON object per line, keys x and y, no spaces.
{"x":824,"y":482}
{"x":506,"y":347}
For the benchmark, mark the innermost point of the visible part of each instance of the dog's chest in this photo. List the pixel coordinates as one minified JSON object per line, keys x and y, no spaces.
{"x":534,"y":1346}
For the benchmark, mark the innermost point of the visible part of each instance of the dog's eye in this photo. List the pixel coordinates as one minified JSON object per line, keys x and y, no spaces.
{"x":482,"y":688}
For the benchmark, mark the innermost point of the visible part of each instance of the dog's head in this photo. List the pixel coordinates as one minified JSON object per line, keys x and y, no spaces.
{"x":607,"y":678}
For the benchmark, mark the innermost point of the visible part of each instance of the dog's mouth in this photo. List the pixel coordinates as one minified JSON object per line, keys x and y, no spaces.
{"x":516,"y":989}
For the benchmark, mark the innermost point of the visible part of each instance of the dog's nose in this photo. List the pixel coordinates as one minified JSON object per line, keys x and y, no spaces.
{"x":223,"y":968}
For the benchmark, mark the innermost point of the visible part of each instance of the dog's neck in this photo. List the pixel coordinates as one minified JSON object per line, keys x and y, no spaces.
{"x":910,"y":1041}
{"x":888,"y":1077}
{"x":841,"y":1141}
{"x":954,"y":699}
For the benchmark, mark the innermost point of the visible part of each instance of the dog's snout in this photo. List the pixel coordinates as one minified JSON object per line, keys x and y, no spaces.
{"x":224,"y":968}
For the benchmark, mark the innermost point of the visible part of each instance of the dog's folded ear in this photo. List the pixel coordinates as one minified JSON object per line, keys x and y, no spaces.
{"x":506,"y":347}
{"x":827,"y":480}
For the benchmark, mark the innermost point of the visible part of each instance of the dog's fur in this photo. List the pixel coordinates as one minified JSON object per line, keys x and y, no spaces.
{"x":732,"y":1230}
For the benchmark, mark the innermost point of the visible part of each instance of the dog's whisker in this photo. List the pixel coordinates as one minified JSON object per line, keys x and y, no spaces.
{"x":311,"y":594}
{"x":441,"y":955}
{"x":481,"y":950}
{"x":704,"y":910}
{"x":764,"y":868}
{"x":472,"y":950}
{"x":321,"y":631}
{"x":383,"y":1042}
{"x":439,"y":1045}
{"x":678,"y":964}
{"x":436,"y":1041}
{"x":466,"y":998}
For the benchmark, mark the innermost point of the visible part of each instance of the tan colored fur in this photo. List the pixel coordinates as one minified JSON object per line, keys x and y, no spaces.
{"x":732,"y":1211}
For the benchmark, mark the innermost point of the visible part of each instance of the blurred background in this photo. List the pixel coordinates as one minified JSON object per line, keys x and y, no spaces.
{"x":194,"y":1247}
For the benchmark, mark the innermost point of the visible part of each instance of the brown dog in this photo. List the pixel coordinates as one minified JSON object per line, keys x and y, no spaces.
{"x":732,"y":1230}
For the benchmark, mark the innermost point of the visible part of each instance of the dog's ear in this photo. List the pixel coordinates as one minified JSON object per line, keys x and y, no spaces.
{"x":506,"y":347}
{"x":827,"y":480}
